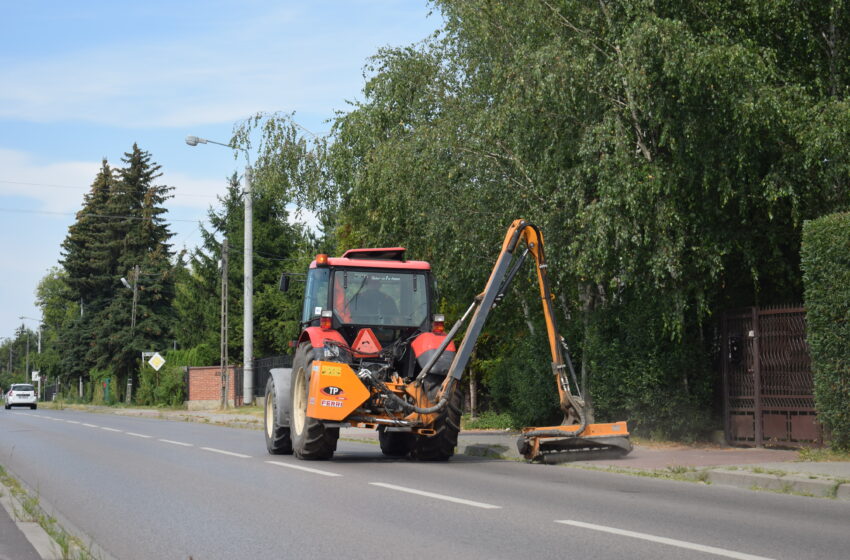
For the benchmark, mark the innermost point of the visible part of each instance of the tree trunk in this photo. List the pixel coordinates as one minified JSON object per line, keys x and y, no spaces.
{"x":588,"y":304}
{"x":473,"y":395}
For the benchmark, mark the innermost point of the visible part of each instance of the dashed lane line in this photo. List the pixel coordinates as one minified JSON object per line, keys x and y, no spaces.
{"x":223,"y":452}
{"x":300,"y":468}
{"x":134,"y":434}
{"x":90,"y":425}
{"x":436,"y":496}
{"x":110,"y":429}
{"x":172,"y":442}
{"x":664,"y":540}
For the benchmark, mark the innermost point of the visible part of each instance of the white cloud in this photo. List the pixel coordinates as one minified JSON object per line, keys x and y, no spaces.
{"x":58,"y":186}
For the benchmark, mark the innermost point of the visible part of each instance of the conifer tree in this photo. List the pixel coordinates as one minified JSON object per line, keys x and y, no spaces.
{"x":134,"y":244}
{"x":86,"y":275}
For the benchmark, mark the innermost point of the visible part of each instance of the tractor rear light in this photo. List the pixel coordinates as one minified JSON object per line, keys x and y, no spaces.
{"x":326,"y":321}
{"x":438,"y":325}
{"x":321,"y":260}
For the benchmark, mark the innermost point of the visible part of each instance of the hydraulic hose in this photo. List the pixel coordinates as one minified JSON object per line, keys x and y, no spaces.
{"x":404,"y":405}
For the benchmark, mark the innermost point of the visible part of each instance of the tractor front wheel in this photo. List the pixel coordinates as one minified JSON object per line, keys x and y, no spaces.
{"x":395,"y":444}
{"x":310,"y":438}
{"x":440,"y":446}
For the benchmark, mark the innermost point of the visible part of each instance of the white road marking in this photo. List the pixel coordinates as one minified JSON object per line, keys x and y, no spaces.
{"x":305,"y":469}
{"x":72,"y":421}
{"x":176,"y":442}
{"x":137,"y":435}
{"x":110,"y":429}
{"x":665,"y":540}
{"x":223,"y":452}
{"x":436,"y":496}
{"x":90,"y":425}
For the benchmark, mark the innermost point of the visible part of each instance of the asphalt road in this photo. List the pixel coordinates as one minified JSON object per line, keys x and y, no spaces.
{"x":147,"y":488}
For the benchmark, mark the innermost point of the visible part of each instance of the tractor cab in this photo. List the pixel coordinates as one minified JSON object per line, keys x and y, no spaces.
{"x":369,"y":288}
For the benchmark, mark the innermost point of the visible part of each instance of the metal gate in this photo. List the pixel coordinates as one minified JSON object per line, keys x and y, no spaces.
{"x":262,"y":369}
{"x":767,"y":378}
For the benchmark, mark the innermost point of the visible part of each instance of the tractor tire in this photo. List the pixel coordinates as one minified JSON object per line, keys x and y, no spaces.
{"x":310,"y":438}
{"x":278,"y":440}
{"x":440,"y":446}
{"x":395,"y":444}
{"x":35,"y":406}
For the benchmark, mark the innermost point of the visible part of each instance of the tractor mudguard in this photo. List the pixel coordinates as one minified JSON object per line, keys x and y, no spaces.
{"x":318,"y":335}
{"x":424,"y":347}
{"x":282,"y":378}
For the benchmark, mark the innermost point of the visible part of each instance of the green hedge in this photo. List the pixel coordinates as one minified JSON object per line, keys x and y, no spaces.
{"x":826,"y":278}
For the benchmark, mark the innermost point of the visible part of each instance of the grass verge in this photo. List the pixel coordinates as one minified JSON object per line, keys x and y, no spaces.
{"x":71,"y":547}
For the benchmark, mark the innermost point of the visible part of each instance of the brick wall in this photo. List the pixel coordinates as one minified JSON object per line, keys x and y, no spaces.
{"x":205,"y":388}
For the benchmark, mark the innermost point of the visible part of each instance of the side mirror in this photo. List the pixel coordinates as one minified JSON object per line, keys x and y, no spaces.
{"x":284,"y":283}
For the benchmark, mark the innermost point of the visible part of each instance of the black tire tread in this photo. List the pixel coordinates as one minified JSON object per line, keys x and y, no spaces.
{"x":441,"y":446}
{"x":395,"y":444}
{"x":280,"y":443}
{"x":317,"y":442}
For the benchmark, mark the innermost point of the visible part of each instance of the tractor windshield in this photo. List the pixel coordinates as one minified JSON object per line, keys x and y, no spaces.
{"x":378,"y":297}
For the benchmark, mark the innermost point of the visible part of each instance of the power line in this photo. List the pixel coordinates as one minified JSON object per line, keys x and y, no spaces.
{"x":104,"y":216}
{"x":77,"y":187}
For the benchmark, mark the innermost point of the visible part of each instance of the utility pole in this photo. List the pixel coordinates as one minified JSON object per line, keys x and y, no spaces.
{"x":135,"y":297}
{"x":27,"y":370}
{"x":248,"y":295}
{"x":225,"y":249}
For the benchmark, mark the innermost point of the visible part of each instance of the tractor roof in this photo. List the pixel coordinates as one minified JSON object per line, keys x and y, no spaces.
{"x":382,"y":257}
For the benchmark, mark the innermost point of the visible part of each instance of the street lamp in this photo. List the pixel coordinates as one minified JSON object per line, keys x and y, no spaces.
{"x":39,"y":329}
{"x":248,"y":278}
{"x":135,"y":296}
{"x":134,"y":287}
{"x":23,"y":317}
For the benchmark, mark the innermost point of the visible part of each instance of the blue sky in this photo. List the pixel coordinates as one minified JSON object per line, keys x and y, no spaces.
{"x":80,"y":81}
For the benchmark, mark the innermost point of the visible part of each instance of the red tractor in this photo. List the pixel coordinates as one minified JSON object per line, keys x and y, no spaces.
{"x":370,"y":329}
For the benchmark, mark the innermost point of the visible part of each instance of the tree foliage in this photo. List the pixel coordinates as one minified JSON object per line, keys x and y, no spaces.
{"x":669,"y":151}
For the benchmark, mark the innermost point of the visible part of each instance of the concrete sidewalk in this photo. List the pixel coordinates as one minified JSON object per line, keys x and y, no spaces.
{"x":751,"y":468}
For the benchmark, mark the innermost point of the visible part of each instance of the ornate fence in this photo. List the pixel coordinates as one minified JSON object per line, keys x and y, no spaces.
{"x":767,"y":378}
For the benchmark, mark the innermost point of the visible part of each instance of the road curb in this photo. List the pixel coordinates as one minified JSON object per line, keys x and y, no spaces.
{"x":786,"y":483}
{"x":42,"y":542}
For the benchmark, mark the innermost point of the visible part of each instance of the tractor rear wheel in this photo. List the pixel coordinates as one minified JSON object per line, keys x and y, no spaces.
{"x":278,"y":441}
{"x":395,"y":444}
{"x":440,"y":446}
{"x":310,"y":438}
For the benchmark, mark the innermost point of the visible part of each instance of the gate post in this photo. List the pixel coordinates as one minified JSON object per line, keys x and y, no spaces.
{"x":754,"y":334}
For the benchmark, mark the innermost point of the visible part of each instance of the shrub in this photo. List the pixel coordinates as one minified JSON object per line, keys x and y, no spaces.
{"x":161,"y":388}
{"x":660,"y":385}
{"x":825,"y":259}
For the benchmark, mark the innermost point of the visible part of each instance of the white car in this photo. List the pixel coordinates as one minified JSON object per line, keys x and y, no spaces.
{"x":21,"y":394}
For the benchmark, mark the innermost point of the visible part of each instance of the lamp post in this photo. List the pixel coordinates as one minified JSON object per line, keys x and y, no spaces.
{"x":248,"y":278}
{"x":135,"y":288}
